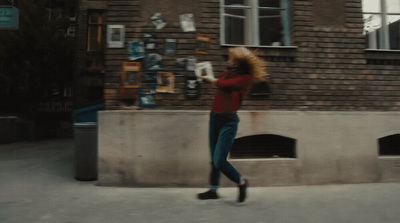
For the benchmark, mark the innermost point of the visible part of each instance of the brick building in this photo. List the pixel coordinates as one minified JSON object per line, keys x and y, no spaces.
{"x":329,"y":62}
{"x":325,"y":66}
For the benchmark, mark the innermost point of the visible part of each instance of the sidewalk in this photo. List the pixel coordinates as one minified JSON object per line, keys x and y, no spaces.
{"x":37,"y":185}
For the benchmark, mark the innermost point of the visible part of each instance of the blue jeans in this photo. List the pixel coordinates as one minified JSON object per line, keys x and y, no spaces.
{"x":222,"y":133}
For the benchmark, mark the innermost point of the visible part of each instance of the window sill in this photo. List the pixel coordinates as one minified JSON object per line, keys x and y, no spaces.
{"x":389,"y":157}
{"x":267,"y":47}
{"x":382,"y":57}
{"x":382,"y":51}
{"x":271,"y":53}
{"x":263,"y":160}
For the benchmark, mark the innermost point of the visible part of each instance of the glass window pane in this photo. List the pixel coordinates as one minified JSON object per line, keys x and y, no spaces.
{"x":239,"y":12}
{"x":372,"y":22}
{"x":394,"y":31}
{"x":393,"y":6}
{"x":371,"y":5}
{"x":234,"y":30}
{"x":93,"y":38}
{"x":271,"y":30}
{"x":236,"y":2}
{"x":93,"y":44}
{"x":372,"y":29}
{"x":269,"y":3}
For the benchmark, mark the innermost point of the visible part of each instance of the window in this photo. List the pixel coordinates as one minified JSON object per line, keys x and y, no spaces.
{"x":381,"y":24}
{"x":263,"y":146}
{"x":95,"y":31}
{"x":389,"y":145}
{"x":255,"y":22}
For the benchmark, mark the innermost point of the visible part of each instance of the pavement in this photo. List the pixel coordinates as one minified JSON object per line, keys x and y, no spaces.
{"x":37,"y":185}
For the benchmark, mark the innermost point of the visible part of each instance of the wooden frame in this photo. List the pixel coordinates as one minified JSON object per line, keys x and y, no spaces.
{"x":131,"y":74}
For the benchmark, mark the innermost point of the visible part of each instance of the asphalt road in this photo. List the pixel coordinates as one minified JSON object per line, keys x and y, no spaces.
{"x":37,"y":185}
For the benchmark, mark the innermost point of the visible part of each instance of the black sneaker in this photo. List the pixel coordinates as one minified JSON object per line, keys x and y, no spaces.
{"x":242,"y":191}
{"x":211,"y":194}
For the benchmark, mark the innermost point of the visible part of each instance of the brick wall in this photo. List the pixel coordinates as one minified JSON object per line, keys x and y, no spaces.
{"x":327,"y":69}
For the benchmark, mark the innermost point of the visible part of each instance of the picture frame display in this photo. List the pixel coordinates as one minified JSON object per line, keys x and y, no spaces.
{"x":115,"y":36}
{"x":131,"y":74}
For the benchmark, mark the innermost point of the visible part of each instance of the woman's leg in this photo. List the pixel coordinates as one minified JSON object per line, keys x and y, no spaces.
{"x":213,"y":139}
{"x":226,"y":138}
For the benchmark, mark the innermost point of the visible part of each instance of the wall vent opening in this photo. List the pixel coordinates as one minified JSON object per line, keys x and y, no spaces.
{"x":263,"y":146}
{"x":389,"y":145}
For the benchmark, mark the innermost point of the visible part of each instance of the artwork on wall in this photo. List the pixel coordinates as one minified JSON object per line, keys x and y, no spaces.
{"x":158,"y":21}
{"x":149,"y":77}
{"x":146,"y":97}
{"x":192,"y":87}
{"x":191,"y":63}
{"x":153,"y":61}
{"x":115,"y":36}
{"x":180,"y":66}
{"x":150,"y":41}
{"x":204,"y":69}
{"x":136,"y":50}
{"x":202,"y":43}
{"x":170,"y":46}
{"x":165,"y":82}
{"x":187,"y":22}
{"x":130,"y":77}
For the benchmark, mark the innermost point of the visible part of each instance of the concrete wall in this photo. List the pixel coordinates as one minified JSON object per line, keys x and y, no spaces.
{"x":170,"y":148}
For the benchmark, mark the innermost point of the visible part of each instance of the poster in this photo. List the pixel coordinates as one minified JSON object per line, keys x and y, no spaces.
{"x":153,"y":61}
{"x":158,"y":21}
{"x":180,"y":66}
{"x":187,"y":22}
{"x":115,"y":36}
{"x":202,"y":43}
{"x":192,"y":88}
{"x":204,"y":69}
{"x":136,"y":50}
{"x":170,"y":46}
{"x":146,"y":97}
{"x":191,"y":63}
{"x":130,"y":77}
{"x":165,"y":82}
{"x":150,"y":42}
{"x":149,"y":77}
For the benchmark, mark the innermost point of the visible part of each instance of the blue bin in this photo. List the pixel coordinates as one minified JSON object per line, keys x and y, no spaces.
{"x":87,"y":114}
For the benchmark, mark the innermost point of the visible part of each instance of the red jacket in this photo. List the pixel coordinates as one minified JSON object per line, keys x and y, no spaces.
{"x":231,"y":90}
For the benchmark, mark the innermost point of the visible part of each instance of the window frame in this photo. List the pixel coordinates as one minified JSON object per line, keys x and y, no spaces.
{"x":384,"y":42}
{"x":101,"y":26}
{"x":253,"y":20}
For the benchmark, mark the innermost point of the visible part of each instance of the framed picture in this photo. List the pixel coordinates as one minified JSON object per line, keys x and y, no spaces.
{"x":187,"y":22}
{"x":165,"y":82}
{"x":136,"y":50}
{"x":153,"y":61}
{"x":115,"y":36}
{"x":131,"y":76}
{"x":150,"y":42}
{"x":192,"y":88}
{"x":203,"y":43}
{"x":146,"y":96}
{"x":204,"y":69}
{"x":170,"y":46}
{"x":158,"y":20}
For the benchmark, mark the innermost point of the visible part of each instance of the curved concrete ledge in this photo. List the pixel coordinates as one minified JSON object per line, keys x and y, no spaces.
{"x":170,"y":148}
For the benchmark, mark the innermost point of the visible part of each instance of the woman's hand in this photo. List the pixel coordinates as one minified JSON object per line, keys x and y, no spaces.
{"x":209,"y":79}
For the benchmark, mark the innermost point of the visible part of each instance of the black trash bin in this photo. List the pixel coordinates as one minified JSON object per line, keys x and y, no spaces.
{"x":85,"y":149}
{"x":8,"y":129}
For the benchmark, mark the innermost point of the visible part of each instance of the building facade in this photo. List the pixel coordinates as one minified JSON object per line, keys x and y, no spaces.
{"x":333,"y":68}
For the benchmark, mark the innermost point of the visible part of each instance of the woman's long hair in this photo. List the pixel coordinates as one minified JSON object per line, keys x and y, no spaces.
{"x":248,"y":60}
